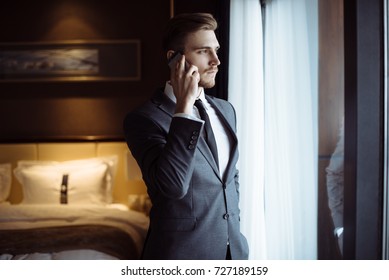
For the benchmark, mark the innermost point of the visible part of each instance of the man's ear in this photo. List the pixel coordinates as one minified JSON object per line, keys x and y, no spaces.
{"x":169,"y":54}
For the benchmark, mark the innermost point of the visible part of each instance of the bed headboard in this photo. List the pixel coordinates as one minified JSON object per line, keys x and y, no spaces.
{"x":127,"y":181}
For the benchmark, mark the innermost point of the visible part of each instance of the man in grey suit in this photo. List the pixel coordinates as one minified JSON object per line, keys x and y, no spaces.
{"x":335,"y":188}
{"x":193,"y":185}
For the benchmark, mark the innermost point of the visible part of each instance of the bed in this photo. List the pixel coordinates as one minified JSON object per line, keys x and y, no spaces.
{"x":70,"y":201}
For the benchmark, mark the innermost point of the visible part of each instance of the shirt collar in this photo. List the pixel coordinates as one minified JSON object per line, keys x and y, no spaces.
{"x":169,"y":92}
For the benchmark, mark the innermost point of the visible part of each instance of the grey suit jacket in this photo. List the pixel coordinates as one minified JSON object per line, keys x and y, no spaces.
{"x":195,"y":212}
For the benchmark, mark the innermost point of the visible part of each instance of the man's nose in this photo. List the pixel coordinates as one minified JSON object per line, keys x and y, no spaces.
{"x":215,"y":59}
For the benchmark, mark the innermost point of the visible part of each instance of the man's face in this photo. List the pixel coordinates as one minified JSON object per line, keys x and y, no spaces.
{"x":201,"y":50}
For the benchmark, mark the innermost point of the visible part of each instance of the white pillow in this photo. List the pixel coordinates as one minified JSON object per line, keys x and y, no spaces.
{"x":5,"y":181}
{"x":90,"y":181}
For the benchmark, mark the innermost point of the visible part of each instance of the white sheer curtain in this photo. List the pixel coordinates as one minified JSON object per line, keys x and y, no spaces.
{"x":277,"y":126}
{"x":246,"y":94}
{"x":291,"y":125}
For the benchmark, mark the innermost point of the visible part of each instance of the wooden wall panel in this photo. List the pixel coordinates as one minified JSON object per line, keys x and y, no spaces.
{"x":331,"y":73}
{"x":62,"y":110}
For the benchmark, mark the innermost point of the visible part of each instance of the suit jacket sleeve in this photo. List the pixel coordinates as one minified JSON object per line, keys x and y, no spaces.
{"x":164,"y":154}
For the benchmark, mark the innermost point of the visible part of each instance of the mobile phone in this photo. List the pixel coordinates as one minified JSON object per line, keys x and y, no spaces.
{"x":176,"y":57}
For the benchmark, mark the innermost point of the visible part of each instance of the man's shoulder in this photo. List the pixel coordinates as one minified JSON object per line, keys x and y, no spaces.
{"x":149,"y":104}
{"x":158,"y":106}
{"x":220,"y":102}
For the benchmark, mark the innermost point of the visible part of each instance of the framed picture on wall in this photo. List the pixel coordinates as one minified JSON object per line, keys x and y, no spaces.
{"x":112,"y":60}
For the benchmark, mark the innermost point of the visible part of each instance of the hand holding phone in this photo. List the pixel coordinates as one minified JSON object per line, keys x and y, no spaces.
{"x":184,"y":80}
{"x":172,"y":62}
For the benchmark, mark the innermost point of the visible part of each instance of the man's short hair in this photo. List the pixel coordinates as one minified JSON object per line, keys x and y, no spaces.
{"x":181,"y":25}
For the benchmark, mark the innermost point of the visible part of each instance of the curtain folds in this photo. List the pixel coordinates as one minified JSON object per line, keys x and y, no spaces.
{"x":274,"y":91}
{"x":247,"y":95}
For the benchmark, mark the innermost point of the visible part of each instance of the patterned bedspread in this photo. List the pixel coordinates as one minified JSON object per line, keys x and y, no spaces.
{"x":46,"y":229}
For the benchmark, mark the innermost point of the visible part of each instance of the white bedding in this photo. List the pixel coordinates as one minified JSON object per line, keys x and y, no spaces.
{"x":38,"y":216}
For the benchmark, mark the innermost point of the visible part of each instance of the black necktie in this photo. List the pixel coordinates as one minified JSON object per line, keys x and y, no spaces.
{"x":209,"y":136}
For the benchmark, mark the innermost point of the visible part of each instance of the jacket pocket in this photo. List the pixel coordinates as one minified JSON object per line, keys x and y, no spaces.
{"x":174,"y":224}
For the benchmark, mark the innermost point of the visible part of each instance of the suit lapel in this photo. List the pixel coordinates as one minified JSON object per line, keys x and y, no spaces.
{"x":222,"y":116}
{"x":234,"y":140}
{"x":204,"y":149}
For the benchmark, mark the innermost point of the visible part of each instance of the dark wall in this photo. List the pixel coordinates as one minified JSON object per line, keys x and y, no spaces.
{"x":72,"y":110}
{"x":365,"y":122}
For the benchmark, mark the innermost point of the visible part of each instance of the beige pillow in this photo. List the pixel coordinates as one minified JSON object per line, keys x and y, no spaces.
{"x":5,"y":181}
{"x":90,"y":181}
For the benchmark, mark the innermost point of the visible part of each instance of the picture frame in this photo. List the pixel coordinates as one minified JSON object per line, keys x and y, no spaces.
{"x":74,"y":60}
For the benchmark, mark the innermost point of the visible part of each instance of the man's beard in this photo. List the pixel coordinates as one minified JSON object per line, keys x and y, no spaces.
{"x":207,"y":83}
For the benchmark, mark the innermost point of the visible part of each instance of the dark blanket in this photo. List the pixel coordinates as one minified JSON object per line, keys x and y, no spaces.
{"x":106,"y":239}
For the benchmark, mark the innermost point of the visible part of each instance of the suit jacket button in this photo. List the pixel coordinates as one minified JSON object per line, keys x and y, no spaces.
{"x":226,"y":216}
{"x":191,"y":147}
{"x":195,"y":132}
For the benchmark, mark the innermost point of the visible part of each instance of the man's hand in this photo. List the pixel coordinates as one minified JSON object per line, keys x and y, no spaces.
{"x":185,"y":85}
